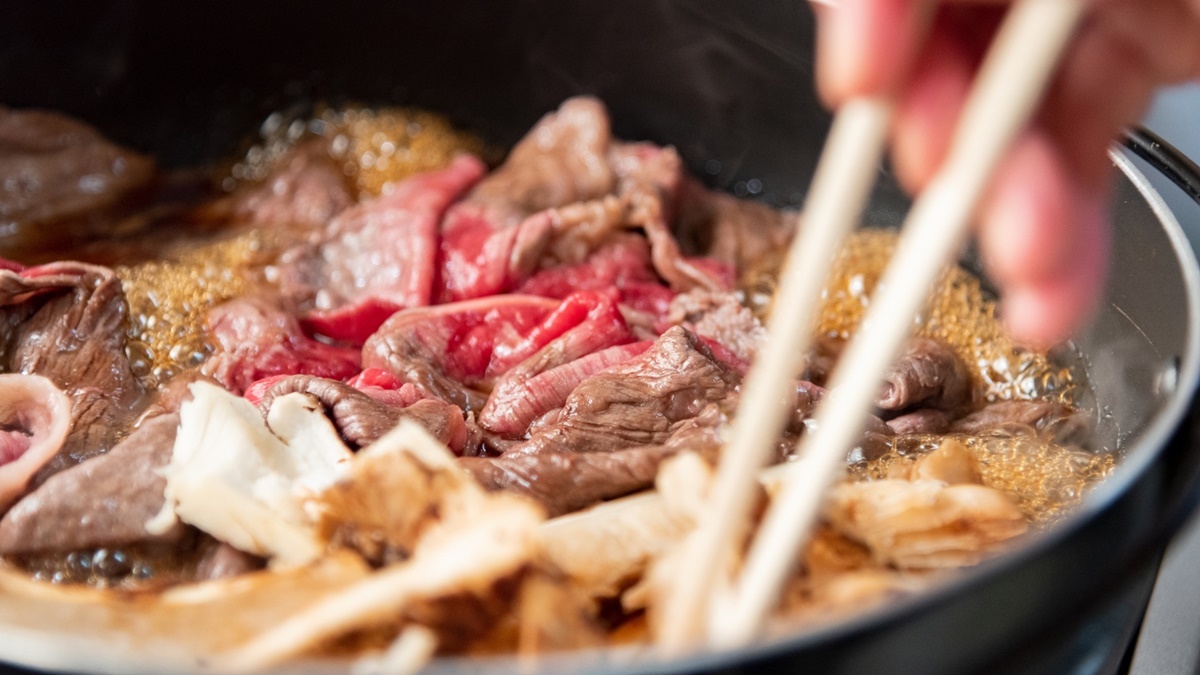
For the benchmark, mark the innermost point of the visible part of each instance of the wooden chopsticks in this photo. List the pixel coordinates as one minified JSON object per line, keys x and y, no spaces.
{"x":1007,"y":90}
{"x":844,"y":176}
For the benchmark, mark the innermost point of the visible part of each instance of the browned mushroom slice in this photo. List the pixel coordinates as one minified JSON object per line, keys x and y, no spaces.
{"x":924,"y":524}
{"x":466,"y":545}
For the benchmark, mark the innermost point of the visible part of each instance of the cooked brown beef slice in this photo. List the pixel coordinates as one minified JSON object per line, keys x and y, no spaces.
{"x":361,"y":420}
{"x":737,"y":232}
{"x":68,"y":322}
{"x":1065,"y":424}
{"x":923,"y":421}
{"x":55,"y":169}
{"x":565,"y":481}
{"x":638,"y":402}
{"x":104,"y":502}
{"x":928,"y":374}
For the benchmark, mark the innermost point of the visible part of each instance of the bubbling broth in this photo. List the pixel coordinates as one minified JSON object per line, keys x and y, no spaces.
{"x":1046,"y":477}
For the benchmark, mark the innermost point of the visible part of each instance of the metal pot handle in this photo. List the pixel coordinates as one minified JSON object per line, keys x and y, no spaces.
{"x":1163,"y":156}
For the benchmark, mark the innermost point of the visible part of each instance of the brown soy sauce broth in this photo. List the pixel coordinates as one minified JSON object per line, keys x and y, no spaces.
{"x":1045,"y":476}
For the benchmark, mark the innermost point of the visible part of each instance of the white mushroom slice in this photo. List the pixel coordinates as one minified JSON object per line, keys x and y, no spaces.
{"x":476,"y":540}
{"x":234,"y":479}
{"x":605,"y":549}
{"x":320,"y":456}
{"x":35,"y":417}
{"x":924,"y":524}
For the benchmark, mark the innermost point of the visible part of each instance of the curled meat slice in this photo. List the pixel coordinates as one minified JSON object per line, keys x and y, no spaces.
{"x":68,"y":322}
{"x":648,"y":181}
{"x":35,"y":417}
{"x":928,"y":374}
{"x":361,"y":419}
{"x":455,"y":352}
{"x":446,"y":350}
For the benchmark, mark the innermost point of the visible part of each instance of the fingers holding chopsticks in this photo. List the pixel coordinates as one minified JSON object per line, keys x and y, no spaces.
{"x":1050,"y":265}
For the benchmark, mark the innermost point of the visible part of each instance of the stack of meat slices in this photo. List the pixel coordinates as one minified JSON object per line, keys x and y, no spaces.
{"x":562,"y":324}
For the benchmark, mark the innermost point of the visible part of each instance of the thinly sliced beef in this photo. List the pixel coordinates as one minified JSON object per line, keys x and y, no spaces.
{"x":35,"y":417}
{"x":623,"y":264}
{"x":719,"y":316}
{"x":648,"y":182}
{"x":542,"y":383}
{"x":68,"y":322}
{"x":381,"y":385}
{"x":1062,"y":422}
{"x":489,"y":241}
{"x":736,"y":232}
{"x":925,"y":389}
{"x":560,"y":161}
{"x":928,"y":374}
{"x":456,"y":352}
{"x":362,"y":420}
{"x":639,"y":402}
{"x":256,"y":339}
{"x":445,"y":350}
{"x":59,"y":178}
{"x":564,"y":481}
{"x":103,"y":502}
{"x":304,"y":191}
{"x":380,"y":256}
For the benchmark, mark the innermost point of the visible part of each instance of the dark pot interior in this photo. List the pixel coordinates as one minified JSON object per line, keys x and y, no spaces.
{"x":729,"y":84}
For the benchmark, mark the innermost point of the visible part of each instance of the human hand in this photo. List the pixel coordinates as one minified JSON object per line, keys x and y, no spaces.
{"x":1043,"y":227}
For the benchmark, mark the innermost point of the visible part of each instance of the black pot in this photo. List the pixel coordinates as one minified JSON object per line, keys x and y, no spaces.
{"x":730,"y":85}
